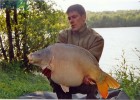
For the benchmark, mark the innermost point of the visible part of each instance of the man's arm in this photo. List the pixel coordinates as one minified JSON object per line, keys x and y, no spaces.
{"x":97,"y":47}
{"x":62,"y":37}
{"x":47,"y":72}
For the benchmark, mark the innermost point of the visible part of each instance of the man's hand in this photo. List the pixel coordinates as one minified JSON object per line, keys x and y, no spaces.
{"x":87,"y":80}
{"x":47,"y":73}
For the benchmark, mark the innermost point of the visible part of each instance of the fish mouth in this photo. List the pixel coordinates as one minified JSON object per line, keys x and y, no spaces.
{"x":33,"y":61}
{"x":30,"y":58}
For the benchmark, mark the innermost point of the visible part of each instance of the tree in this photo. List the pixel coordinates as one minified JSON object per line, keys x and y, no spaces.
{"x":113,"y":19}
{"x":17,"y":39}
{"x":2,"y":36}
{"x":34,"y":24}
{"x":9,"y":29}
{"x":2,"y":49}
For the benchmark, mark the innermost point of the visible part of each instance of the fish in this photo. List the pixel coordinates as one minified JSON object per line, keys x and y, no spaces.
{"x":70,"y":65}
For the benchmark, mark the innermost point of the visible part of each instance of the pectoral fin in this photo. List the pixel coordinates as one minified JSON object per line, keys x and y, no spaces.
{"x":65,"y":88}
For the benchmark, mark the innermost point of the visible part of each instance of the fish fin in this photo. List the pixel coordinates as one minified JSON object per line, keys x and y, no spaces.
{"x":65,"y":88}
{"x":112,"y":83}
{"x":107,"y":82}
{"x":103,"y":89}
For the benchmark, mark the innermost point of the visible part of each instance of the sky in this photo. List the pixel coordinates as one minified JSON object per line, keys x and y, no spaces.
{"x":100,"y":5}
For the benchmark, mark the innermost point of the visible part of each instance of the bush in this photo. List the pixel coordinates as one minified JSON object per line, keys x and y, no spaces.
{"x":128,"y":76}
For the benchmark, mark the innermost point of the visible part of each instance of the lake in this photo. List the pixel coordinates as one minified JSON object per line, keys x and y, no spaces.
{"x":117,"y":40}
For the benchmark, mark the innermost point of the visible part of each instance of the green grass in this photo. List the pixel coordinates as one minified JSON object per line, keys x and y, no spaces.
{"x":17,"y":83}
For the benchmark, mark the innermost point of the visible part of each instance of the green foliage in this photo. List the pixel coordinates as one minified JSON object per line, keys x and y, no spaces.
{"x":44,"y":23}
{"x":34,"y":25}
{"x":113,"y":18}
{"x":15,"y":82}
{"x":129,"y":77}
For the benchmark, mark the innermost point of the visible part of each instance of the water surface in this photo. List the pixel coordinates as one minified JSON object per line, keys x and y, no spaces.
{"x":116,"y":40}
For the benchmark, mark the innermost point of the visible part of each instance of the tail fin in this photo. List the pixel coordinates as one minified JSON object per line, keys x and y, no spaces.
{"x":108,"y":82}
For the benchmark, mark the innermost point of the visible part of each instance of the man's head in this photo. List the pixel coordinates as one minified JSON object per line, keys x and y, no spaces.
{"x":76,"y":16}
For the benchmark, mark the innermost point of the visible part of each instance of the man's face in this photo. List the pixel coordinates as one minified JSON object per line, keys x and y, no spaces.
{"x":76,"y":20}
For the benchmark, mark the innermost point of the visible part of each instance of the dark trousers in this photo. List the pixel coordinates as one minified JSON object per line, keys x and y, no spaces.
{"x":90,"y":90}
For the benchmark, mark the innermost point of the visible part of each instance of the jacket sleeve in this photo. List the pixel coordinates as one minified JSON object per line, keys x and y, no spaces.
{"x":62,"y":37}
{"x":47,"y":73}
{"x":96,"y":47}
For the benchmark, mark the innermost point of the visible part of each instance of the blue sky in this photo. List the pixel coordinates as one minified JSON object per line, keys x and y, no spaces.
{"x":100,"y":5}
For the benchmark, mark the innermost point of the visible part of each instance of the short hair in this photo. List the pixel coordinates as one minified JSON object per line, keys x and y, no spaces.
{"x":76,"y":7}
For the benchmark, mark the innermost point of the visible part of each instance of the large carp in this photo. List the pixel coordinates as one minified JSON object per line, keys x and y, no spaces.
{"x":70,"y":64}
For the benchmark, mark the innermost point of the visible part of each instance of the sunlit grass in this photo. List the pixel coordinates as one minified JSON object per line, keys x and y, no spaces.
{"x":17,"y":83}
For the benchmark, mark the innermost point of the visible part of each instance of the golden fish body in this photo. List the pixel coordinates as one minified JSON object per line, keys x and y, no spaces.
{"x":70,"y":64}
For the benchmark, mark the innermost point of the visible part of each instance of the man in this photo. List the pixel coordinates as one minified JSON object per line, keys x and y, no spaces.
{"x":79,"y":34}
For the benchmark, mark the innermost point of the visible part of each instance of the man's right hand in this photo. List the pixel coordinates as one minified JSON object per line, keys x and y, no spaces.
{"x":87,"y":80}
{"x":47,"y":73}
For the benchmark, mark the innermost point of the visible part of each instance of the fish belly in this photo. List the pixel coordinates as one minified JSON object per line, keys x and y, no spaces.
{"x":68,"y":77}
{"x":70,"y":65}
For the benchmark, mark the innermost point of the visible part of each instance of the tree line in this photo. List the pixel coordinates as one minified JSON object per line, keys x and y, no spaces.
{"x":120,"y":18}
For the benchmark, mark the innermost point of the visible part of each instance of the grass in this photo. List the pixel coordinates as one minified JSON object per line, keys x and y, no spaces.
{"x":15,"y":83}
